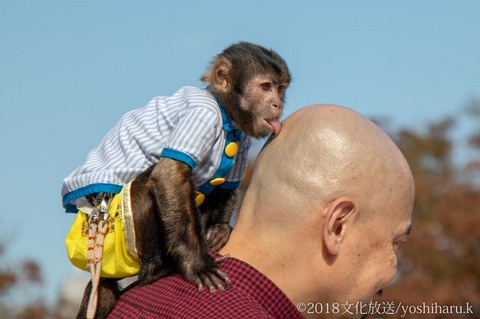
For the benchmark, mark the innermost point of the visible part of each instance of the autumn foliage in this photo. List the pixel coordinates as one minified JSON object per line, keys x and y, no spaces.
{"x":18,"y":278}
{"x":440,"y":263}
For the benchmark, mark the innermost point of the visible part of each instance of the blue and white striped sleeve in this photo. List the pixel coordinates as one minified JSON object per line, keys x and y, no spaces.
{"x":193,"y":137}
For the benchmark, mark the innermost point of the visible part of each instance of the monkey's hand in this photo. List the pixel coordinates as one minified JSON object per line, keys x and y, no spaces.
{"x":213,"y":278}
{"x":217,"y":236}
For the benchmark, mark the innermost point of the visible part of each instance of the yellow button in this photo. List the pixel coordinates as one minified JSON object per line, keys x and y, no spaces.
{"x":199,"y":198}
{"x":231,"y":149}
{"x":217,"y":181}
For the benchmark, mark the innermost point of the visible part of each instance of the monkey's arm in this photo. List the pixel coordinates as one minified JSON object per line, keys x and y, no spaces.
{"x":219,"y":206}
{"x":174,"y":202}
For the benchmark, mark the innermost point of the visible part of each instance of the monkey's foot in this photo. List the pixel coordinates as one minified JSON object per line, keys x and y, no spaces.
{"x":214,"y":279}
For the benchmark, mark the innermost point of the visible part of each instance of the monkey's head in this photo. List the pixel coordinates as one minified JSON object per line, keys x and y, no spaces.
{"x":250,"y":81}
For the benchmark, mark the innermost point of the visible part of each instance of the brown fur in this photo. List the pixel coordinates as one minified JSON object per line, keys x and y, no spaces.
{"x":108,"y":293}
{"x":231,"y":76}
{"x":172,"y":234}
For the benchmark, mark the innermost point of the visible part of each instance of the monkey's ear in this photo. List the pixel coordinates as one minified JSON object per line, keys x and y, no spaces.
{"x":336,"y":219}
{"x":220,"y":75}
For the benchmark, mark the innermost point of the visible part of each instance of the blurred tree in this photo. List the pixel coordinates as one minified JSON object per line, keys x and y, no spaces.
{"x":440,"y":264}
{"x":17,"y":280}
{"x":21,"y":286}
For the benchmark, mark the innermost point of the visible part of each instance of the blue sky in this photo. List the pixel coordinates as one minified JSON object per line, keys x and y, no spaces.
{"x":70,"y":69}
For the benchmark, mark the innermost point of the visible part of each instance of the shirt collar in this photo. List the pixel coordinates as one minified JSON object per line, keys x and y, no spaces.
{"x":259,"y":287}
{"x":227,"y":122}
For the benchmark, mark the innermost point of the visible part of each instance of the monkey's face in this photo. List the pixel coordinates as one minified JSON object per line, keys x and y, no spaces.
{"x":261,"y":105}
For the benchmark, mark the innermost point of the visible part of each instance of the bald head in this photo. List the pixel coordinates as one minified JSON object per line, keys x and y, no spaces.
{"x":330,"y":199}
{"x":327,"y":151}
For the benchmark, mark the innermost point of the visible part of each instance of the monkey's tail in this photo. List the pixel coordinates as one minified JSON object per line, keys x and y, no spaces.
{"x":108,"y":294}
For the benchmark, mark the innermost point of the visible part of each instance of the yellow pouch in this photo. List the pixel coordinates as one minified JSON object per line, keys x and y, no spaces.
{"x":117,"y":261}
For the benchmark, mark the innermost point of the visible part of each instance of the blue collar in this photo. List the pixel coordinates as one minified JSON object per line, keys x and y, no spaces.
{"x":227,"y":122}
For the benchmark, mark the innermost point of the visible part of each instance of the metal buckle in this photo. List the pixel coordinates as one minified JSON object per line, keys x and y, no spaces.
{"x":102,"y":201}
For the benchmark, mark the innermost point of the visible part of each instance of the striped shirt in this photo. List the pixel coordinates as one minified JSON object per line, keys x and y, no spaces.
{"x":189,"y":126}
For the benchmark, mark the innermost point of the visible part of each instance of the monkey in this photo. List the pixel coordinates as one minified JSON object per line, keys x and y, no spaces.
{"x":179,"y":215}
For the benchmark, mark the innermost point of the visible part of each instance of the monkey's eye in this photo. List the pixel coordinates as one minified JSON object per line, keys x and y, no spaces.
{"x":281,"y":89}
{"x":267,"y":86}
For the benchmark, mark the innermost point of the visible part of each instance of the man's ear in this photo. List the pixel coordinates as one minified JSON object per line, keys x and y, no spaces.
{"x":338,"y":213}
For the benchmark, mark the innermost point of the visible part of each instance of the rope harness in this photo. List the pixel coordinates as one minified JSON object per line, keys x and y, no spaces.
{"x":97,"y":229}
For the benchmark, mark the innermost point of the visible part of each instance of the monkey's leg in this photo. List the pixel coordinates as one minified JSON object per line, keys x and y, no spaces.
{"x":175,"y":204}
{"x":148,"y":232}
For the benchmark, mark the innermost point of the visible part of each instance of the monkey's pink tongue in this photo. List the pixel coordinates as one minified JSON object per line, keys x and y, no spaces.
{"x":276,"y":125}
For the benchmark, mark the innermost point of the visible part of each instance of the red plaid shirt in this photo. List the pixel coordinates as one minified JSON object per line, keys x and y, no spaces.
{"x":251,"y":295}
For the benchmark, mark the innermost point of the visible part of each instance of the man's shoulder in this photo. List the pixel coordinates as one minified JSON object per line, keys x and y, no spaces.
{"x":174,"y":296}
{"x":251,"y":295}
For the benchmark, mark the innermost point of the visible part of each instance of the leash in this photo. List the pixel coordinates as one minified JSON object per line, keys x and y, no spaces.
{"x":97,"y":229}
